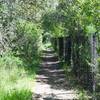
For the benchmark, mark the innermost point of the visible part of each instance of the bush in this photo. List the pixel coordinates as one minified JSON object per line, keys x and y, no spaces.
{"x":15,"y":79}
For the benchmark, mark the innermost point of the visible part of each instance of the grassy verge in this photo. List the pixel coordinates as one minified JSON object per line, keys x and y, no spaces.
{"x":16,"y":78}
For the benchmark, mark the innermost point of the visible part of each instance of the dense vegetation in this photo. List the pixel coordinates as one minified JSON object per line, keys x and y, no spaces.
{"x":74,"y":28}
{"x":20,"y":41}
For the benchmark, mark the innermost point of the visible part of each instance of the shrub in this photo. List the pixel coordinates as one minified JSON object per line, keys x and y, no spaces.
{"x":15,"y":80}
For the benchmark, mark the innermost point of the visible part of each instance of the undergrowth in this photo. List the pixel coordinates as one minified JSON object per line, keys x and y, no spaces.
{"x":82,"y":93}
{"x":16,"y":78}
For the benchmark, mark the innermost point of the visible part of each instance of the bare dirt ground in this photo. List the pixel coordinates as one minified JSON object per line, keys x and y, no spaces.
{"x":51,"y":82}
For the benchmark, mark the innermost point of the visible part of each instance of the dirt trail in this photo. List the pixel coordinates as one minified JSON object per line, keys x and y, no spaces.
{"x":51,"y":82}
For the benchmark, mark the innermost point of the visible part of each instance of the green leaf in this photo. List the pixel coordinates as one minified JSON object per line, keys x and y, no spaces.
{"x":90,"y":29}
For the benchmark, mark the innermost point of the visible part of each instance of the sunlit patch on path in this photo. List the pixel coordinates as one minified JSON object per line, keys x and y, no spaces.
{"x":51,"y":82}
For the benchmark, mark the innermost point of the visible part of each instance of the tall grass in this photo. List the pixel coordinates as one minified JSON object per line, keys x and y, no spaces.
{"x":15,"y":79}
{"x":16,"y":95}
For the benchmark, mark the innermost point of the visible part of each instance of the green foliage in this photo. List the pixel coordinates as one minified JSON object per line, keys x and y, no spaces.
{"x":83,"y":95}
{"x":22,"y":38}
{"x":52,"y":23}
{"x":29,"y":28}
{"x":16,"y":95}
{"x":16,"y":80}
{"x":99,"y":64}
{"x":22,"y":24}
{"x":72,"y":16}
{"x":28,"y":41}
{"x":59,"y":30}
{"x":90,"y":29}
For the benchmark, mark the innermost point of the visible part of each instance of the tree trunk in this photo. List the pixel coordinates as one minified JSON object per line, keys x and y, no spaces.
{"x":94,"y":63}
{"x":64,"y":48}
{"x":61,"y":47}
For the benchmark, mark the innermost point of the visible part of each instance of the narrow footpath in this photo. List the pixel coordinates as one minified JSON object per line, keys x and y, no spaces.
{"x":51,"y":82}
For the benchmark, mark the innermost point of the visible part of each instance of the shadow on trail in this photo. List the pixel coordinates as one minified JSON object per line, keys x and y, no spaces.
{"x":54,"y":76}
{"x":51,"y":74}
